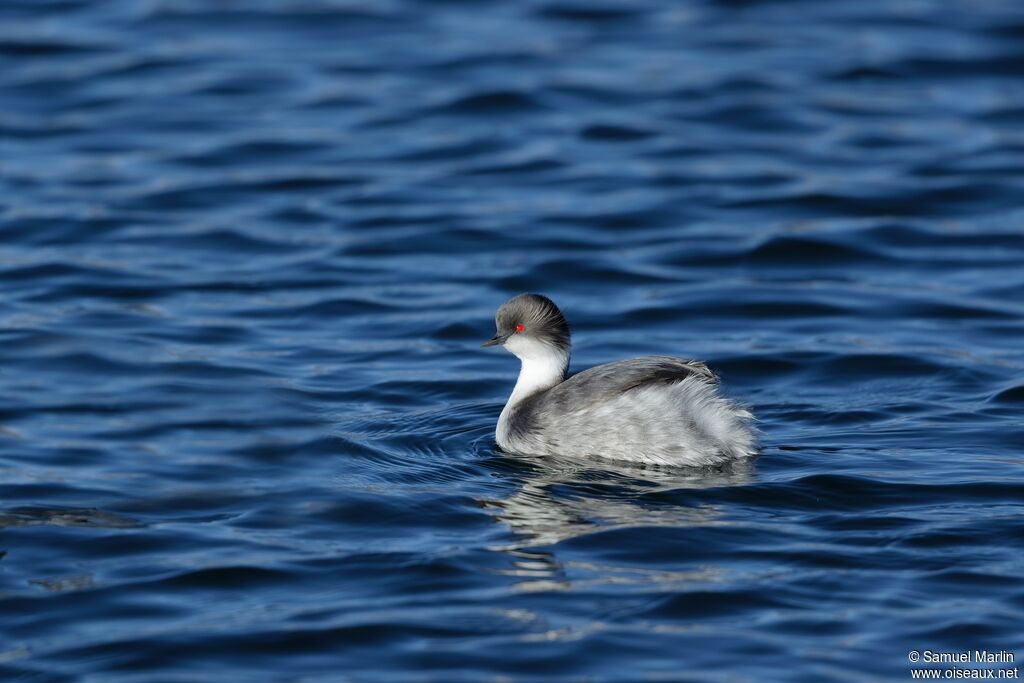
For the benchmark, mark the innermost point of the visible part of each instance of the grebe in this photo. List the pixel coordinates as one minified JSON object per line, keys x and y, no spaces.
{"x":654,"y":409}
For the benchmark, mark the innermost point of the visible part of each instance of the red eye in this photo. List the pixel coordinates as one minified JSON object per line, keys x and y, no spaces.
{"x":519,"y":328}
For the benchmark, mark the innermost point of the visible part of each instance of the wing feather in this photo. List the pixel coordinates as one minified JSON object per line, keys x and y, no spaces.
{"x":655,"y":409}
{"x":604,"y":383}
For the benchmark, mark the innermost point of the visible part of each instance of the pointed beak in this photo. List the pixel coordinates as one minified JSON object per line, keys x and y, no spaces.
{"x":495,"y":340}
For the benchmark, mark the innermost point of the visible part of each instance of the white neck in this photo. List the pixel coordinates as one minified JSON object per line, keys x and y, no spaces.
{"x":538,"y":374}
{"x":542,"y":368}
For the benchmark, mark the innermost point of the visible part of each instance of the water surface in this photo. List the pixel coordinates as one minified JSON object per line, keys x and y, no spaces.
{"x":248,"y":251}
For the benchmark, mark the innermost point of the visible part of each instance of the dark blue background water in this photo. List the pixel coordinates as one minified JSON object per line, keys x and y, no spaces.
{"x":248,"y":251}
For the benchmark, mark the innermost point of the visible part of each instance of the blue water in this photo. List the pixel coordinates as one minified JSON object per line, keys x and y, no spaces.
{"x":248,"y":251}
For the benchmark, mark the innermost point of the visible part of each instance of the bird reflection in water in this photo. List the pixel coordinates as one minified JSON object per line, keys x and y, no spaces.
{"x":560,"y":500}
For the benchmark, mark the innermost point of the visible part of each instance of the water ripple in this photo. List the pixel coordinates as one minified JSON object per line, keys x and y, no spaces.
{"x":248,"y":252}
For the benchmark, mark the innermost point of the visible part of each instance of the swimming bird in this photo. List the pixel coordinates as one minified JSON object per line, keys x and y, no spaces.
{"x":653,"y":409}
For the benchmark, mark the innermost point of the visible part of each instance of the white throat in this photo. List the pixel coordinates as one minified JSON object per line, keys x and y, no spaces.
{"x":543,"y":367}
{"x":538,"y":374}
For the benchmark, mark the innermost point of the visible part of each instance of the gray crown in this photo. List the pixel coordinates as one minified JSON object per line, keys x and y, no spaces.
{"x":539,"y":317}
